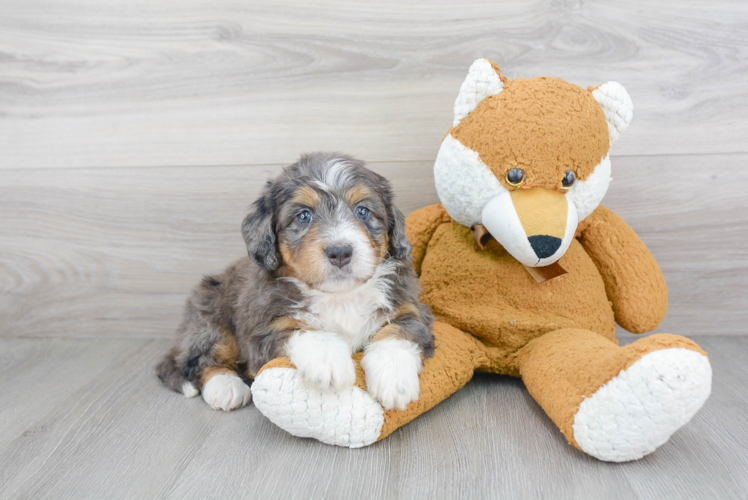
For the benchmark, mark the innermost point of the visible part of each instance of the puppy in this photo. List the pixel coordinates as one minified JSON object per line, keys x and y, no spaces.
{"x":328,"y":274}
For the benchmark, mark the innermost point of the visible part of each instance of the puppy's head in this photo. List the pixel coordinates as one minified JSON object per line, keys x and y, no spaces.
{"x":328,"y":221}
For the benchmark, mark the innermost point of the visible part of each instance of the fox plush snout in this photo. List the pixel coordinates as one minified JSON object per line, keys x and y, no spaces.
{"x":535,"y":225}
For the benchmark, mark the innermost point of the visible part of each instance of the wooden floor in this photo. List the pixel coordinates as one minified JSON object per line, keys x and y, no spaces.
{"x":86,"y":418}
{"x":134,"y":134}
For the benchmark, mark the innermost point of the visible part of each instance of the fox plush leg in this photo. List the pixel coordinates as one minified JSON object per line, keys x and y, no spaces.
{"x":616,"y":403}
{"x":351,"y":417}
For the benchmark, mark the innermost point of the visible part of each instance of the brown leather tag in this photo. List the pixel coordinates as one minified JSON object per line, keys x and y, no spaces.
{"x":543,"y":274}
{"x":481,"y":235}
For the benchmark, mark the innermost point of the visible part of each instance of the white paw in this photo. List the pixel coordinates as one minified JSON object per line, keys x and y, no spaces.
{"x":641,"y":407}
{"x":226,"y":392}
{"x":392,"y":367}
{"x":189,"y":390}
{"x":323,"y":359}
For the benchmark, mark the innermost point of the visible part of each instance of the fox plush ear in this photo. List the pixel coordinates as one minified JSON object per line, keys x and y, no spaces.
{"x":259,"y":234}
{"x":483,"y":80}
{"x":617,"y":106}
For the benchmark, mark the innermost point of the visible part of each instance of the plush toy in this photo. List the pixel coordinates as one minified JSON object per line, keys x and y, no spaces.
{"x":527,"y":275}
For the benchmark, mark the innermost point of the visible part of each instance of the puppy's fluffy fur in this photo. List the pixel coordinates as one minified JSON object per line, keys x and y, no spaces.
{"x":328,"y":274}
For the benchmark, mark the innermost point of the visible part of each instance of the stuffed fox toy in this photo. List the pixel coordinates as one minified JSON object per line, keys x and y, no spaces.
{"x":527,"y":275}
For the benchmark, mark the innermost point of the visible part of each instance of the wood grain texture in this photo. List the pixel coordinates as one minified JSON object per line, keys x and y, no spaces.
{"x":133,"y":135}
{"x":230,"y":82}
{"x":86,"y":418}
{"x":114,"y":252}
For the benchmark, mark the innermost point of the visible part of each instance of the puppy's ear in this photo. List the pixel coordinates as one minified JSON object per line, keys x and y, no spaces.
{"x":259,"y":233}
{"x":400,"y":247}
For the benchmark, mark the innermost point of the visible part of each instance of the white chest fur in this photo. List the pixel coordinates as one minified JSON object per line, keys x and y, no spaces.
{"x":356,"y":315}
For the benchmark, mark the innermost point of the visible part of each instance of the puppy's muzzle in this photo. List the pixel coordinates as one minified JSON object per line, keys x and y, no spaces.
{"x":339,"y":255}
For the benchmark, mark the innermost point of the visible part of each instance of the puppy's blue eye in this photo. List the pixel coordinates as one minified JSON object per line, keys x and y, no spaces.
{"x":362,"y":213}
{"x":304,"y":217}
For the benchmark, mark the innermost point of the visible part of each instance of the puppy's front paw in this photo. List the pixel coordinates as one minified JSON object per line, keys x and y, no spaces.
{"x":323,"y":359}
{"x":226,"y":392}
{"x":392,"y":367}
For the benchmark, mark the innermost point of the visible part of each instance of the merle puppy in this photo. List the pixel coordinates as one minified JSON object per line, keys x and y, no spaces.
{"x":328,"y":274}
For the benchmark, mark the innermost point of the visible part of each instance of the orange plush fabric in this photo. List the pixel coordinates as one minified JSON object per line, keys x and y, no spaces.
{"x":615,"y":403}
{"x":633,"y":280}
{"x":566,"y":124}
{"x":492,"y":296}
{"x":563,"y":368}
{"x":558,"y":336}
{"x":421,"y":229}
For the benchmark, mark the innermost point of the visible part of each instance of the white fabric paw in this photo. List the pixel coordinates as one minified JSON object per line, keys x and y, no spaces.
{"x":349,"y":417}
{"x":323,"y":359}
{"x":641,"y":407}
{"x":392,"y":367}
{"x":226,"y":392}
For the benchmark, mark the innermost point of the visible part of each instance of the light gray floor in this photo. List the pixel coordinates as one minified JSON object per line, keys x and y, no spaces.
{"x":87,"y":418}
{"x":134,"y":134}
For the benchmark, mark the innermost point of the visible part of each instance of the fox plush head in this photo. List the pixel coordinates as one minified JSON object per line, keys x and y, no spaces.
{"x":528,"y":158}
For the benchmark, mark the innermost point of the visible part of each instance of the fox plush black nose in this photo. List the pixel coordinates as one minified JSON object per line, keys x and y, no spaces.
{"x":544,"y":246}
{"x":339,"y":255}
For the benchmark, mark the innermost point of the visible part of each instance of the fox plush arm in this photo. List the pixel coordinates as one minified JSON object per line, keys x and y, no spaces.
{"x":633,"y":280}
{"x":420,"y":227}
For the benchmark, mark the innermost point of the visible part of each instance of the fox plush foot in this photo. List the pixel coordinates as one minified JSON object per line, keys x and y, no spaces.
{"x":616,"y":403}
{"x":350,"y":416}
{"x":347,"y":417}
{"x":641,"y":407}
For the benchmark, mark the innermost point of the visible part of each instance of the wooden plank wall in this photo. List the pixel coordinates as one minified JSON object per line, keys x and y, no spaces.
{"x":133,"y":134}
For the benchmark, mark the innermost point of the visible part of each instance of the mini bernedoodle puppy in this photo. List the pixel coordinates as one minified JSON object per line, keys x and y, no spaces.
{"x":328,"y":274}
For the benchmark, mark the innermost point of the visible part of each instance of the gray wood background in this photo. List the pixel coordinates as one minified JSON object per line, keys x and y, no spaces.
{"x":134,"y":133}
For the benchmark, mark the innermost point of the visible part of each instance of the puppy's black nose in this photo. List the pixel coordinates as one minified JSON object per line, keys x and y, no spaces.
{"x":544,"y":246}
{"x":339,"y":255}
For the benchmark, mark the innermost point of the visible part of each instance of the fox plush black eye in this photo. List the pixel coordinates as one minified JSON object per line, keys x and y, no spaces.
{"x":304,"y":217}
{"x":569,"y":179}
{"x":515,"y":177}
{"x":362,"y":213}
